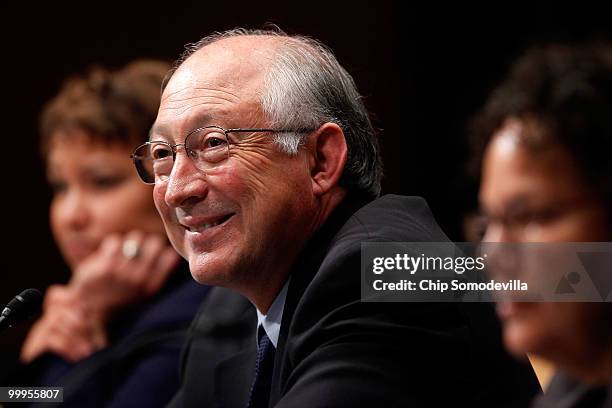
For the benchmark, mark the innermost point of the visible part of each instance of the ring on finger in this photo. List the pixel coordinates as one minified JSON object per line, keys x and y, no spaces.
{"x":130,"y":249}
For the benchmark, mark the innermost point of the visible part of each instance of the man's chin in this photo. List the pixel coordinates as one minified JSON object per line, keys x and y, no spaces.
{"x":207,"y":271}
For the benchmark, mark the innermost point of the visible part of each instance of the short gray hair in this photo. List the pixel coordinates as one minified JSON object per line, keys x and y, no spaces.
{"x":304,"y":87}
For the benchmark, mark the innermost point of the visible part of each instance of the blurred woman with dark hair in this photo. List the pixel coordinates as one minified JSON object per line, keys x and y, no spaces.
{"x":112,"y":335}
{"x":546,"y":138}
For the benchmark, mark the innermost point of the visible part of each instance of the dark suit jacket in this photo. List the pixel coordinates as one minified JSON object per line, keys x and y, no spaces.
{"x":221,"y":340}
{"x":335,"y":351}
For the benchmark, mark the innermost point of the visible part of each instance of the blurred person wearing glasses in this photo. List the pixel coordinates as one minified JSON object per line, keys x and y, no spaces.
{"x":546,"y":134}
{"x":266,"y":173}
{"x":112,"y":335}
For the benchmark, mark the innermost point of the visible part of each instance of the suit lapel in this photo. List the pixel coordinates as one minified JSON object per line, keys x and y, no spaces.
{"x":233,"y":378}
{"x":307,"y":265}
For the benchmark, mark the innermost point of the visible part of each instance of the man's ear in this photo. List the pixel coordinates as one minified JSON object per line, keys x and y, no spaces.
{"x":328,"y":153}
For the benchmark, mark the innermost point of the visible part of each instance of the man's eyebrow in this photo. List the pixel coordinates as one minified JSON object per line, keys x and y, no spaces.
{"x":162,"y":131}
{"x":157,"y":129}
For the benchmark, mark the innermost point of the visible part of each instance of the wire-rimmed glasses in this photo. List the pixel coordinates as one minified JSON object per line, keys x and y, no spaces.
{"x":207,"y":147}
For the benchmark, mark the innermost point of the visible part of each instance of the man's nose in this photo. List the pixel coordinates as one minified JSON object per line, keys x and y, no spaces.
{"x":186,"y":182}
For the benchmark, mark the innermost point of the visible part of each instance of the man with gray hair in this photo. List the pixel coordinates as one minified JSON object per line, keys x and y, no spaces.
{"x":266,"y":173}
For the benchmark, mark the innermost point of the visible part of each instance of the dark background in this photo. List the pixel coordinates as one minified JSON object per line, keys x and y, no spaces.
{"x":423,"y":70}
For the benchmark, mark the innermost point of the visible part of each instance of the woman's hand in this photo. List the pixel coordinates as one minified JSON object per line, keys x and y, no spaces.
{"x":111,"y":280}
{"x":65,"y":328}
{"x":73,"y":324}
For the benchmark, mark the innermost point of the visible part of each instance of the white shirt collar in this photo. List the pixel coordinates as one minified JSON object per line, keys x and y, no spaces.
{"x":271,"y":322}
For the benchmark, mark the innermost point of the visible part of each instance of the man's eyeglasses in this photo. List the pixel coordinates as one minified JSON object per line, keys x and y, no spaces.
{"x":208,"y":147}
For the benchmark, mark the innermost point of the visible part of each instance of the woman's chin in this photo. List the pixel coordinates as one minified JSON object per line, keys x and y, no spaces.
{"x":517,"y":338}
{"x":523,"y":335}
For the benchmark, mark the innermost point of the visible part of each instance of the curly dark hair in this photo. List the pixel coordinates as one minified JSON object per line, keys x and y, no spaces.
{"x":113,"y":106}
{"x":567,"y":91}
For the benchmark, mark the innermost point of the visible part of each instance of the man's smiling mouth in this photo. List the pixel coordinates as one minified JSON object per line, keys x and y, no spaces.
{"x":196,"y":225}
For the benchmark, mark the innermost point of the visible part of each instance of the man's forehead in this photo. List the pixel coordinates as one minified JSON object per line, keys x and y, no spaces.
{"x":215,"y":79}
{"x":227,"y":66}
{"x":232,"y":60}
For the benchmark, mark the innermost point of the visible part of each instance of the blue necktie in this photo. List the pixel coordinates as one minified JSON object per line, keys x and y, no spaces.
{"x":264,"y":364}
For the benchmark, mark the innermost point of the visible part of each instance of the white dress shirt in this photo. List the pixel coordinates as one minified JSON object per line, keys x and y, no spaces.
{"x":271,"y":321}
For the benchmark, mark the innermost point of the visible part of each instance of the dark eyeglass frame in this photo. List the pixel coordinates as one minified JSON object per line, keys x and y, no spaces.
{"x":173,"y":148}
